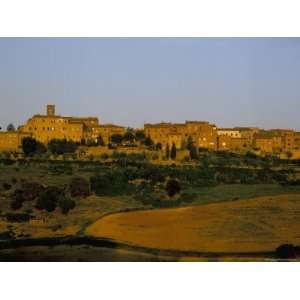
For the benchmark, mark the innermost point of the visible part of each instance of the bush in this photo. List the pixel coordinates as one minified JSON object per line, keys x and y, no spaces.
{"x":173,"y":187}
{"x":21,"y":217}
{"x":17,"y":199}
{"x":287,"y":251}
{"x":6,"y":186}
{"x":65,"y":204}
{"x":116,"y":139}
{"x":16,"y":204}
{"x":31,"y":190}
{"x":60,"y":147}
{"x":79,"y":187}
{"x":31,"y":146}
{"x":104,"y":156}
{"x":49,"y":198}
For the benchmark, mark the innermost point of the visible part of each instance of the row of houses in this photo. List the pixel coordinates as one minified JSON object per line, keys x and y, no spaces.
{"x":206,"y":135}
{"x":51,"y":126}
{"x":202,"y":134}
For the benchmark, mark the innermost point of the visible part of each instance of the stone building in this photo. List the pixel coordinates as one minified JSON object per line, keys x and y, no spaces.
{"x":12,"y":140}
{"x":237,"y":138}
{"x":106,"y":131}
{"x":267,"y":141}
{"x":203,"y":134}
{"x":52,"y":126}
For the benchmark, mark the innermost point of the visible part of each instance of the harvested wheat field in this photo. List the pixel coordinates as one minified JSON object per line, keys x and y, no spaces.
{"x":252,"y":225}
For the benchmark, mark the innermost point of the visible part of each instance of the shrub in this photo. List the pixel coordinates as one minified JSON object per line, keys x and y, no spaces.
{"x":104,"y":156}
{"x":65,"y":204}
{"x":14,"y":180}
{"x":21,"y":217}
{"x":148,"y":141}
{"x":60,"y":147}
{"x":173,"y":151}
{"x":79,"y":187}
{"x":16,"y":204}
{"x":6,"y":186}
{"x":173,"y":187}
{"x":116,"y":139}
{"x":31,"y":190}
{"x":287,"y":251}
{"x":49,"y":198}
{"x":17,"y":199}
{"x":31,"y":146}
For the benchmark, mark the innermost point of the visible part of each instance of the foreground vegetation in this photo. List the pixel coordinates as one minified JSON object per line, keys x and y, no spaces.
{"x":55,"y":198}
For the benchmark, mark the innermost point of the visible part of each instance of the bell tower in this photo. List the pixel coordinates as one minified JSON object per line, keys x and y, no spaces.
{"x":50,"y":110}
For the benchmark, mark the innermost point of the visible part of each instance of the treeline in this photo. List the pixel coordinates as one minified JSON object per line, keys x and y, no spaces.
{"x":48,"y":198}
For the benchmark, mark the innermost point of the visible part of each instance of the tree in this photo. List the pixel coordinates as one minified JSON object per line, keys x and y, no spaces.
{"x":173,"y":151}
{"x":148,"y":141}
{"x":59,"y":147}
{"x":11,"y":127}
{"x":173,"y":187}
{"x":129,"y":135}
{"x":287,"y":251}
{"x":190,"y":143}
{"x":49,"y":198}
{"x":29,"y":146}
{"x":116,"y":139}
{"x":158,"y":146}
{"x":65,"y":204}
{"x":79,"y":187}
{"x":40,"y":148}
{"x":192,"y":149}
{"x":100,"y":141}
{"x":140,"y":135}
{"x":193,"y":152}
{"x":168,"y":151}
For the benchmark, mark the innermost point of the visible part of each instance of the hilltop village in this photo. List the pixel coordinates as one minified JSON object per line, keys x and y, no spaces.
{"x":284,"y":143}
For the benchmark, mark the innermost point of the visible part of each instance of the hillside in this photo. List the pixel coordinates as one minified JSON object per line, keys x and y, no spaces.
{"x":257,"y":224}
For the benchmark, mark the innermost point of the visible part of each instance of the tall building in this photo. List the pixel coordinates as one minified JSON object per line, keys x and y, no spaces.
{"x":51,"y":126}
{"x":78,"y":129}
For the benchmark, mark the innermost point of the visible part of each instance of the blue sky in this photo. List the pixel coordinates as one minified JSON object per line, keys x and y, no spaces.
{"x":129,"y":81}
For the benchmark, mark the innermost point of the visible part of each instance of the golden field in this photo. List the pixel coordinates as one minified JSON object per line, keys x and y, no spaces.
{"x":251,"y":225}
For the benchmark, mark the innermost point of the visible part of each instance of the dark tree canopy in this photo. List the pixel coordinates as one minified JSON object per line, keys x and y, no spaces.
{"x":129,"y":135}
{"x":140,"y":135}
{"x":168,"y":151}
{"x":11,"y":127}
{"x":116,"y":139}
{"x":100,"y":141}
{"x":79,"y":187}
{"x":173,"y":151}
{"x":29,"y":146}
{"x":148,"y":141}
{"x":173,"y":187}
{"x":59,"y":147}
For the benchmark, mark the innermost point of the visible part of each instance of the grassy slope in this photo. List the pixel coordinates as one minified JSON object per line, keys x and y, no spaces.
{"x":92,"y":208}
{"x":230,"y":192}
{"x":259,"y":224}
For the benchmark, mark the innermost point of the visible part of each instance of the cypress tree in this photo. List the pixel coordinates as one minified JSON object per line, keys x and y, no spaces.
{"x":167,"y":151}
{"x":173,"y":151}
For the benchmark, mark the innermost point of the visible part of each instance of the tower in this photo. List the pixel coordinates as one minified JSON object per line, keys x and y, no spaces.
{"x":50,"y":110}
